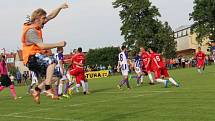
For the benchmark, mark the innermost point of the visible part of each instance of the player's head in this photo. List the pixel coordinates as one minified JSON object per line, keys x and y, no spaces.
{"x":123,"y":48}
{"x":199,"y":48}
{"x":79,"y":50}
{"x":74,"y":51}
{"x":142,"y":49}
{"x":135,"y":53}
{"x":39,"y":17}
{"x":59,"y":49}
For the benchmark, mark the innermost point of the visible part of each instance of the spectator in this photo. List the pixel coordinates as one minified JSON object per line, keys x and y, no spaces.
{"x":110,"y":69}
{"x":100,"y":67}
{"x":19,"y":77}
{"x":183,"y":62}
{"x":25,"y":77}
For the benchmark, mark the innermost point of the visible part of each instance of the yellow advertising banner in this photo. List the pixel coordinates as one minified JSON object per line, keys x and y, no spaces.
{"x":97,"y":74}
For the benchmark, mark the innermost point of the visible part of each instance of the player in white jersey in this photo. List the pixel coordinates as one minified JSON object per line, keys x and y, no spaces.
{"x":34,"y":81}
{"x":123,"y":65}
{"x":59,"y":70}
{"x":137,"y":64}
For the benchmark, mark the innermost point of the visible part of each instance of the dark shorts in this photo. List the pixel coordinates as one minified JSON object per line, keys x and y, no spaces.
{"x":39,"y":64}
{"x":5,"y":81}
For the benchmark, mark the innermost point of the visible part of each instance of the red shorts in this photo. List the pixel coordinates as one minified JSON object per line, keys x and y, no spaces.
{"x":78,"y":73}
{"x":148,"y":69}
{"x":200,"y":64}
{"x":161,"y":72}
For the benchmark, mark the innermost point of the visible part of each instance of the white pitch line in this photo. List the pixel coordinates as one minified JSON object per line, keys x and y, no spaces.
{"x":134,"y":92}
{"x":43,"y":118}
{"x":103,"y":101}
{"x":28,"y":112}
{"x":111,"y":100}
{"x":80,"y":104}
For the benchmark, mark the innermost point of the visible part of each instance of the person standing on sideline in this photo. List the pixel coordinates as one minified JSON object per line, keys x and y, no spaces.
{"x":34,"y":50}
{"x":18,"y":77}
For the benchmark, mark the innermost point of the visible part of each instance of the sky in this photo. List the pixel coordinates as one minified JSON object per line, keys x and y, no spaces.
{"x":86,"y":23}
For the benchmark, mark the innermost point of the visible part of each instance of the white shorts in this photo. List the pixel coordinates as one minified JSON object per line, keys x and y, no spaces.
{"x":138,"y":70}
{"x":124,"y":72}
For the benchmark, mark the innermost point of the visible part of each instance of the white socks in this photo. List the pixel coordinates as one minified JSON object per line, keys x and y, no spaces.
{"x":83,"y":85}
{"x":160,"y":80}
{"x":141,"y":79}
{"x":87,"y":86}
{"x":172,"y":81}
{"x":60,"y":89}
{"x":151,"y":78}
{"x":199,"y":70}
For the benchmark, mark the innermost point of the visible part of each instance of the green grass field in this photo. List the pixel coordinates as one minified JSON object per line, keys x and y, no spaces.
{"x":193,"y":101}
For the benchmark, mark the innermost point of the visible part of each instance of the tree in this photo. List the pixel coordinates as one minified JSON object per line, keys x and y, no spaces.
{"x":204,"y":19}
{"x":104,"y":56}
{"x":141,"y":26}
{"x":169,"y":43}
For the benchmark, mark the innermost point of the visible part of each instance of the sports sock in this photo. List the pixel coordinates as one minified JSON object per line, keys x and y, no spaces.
{"x":199,"y":70}
{"x":12,"y":90}
{"x":127,"y":83}
{"x":56,"y":89}
{"x":141,"y":79}
{"x":151,"y":78}
{"x":87,"y":86}
{"x":122,"y":82}
{"x":172,"y":81}
{"x":2,"y":88}
{"x":138,"y":80}
{"x":83,"y":85}
{"x":66,"y":87}
{"x":160,"y":80}
{"x":60,"y":89}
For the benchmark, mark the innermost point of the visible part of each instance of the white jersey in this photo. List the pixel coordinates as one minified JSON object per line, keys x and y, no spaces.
{"x":58,"y":57}
{"x":34,"y":79}
{"x":123,"y":61}
{"x":137,"y":64}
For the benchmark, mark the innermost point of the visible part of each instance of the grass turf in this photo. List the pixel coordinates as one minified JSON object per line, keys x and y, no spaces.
{"x":194,"y":100}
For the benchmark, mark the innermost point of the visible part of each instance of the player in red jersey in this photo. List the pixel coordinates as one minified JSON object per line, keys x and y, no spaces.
{"x":78,"y":61}
{"x":160,"y":69}
{"x":200,"y":57}
{"x":146,"y":63}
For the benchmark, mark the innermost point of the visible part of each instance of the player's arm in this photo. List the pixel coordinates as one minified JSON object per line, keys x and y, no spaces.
{"x":148,"y":61}
{"x":78,"y":64}
{"x":154,"y":59}
{"x":45,"y":46}
{"x":32,"y":38}
{"x":118,"y":66}
{"x":61,"y":66}
{"x":130,"y":63}
{"x":55,"y":12}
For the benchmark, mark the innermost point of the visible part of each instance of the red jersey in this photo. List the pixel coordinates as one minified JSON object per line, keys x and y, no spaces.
{"x":155,"y":57}
{"x":78,"y":58}
{"x":146,"y":58}
{"x":200,"y":56}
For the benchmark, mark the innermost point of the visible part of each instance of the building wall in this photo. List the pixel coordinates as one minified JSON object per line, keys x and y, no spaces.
{"x":187,"y":41}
